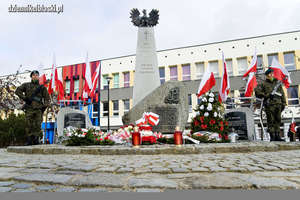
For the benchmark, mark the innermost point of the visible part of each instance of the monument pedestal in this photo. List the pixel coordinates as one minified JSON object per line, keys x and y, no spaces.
{"x":146,"y":78}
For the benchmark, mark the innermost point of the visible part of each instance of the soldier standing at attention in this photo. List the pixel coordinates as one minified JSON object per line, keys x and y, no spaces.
{"x":36,"y":99}
{"x":274,"y":103}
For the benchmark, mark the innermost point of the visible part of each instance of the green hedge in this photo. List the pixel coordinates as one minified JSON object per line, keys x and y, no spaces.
{"x":12,"y":130}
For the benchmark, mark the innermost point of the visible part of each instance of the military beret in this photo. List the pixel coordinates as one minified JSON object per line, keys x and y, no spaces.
{"x":34,"y":72}
{"x":269,"y":71}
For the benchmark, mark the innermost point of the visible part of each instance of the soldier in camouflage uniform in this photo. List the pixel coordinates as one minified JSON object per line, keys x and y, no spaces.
{"x":36,"y":99}
{"x":274,"y":103}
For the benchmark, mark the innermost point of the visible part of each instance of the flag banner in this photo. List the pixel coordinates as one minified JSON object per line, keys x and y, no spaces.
{"x":281,"y":73}
{"x":225,"y":84}
{"x":207,"y":82}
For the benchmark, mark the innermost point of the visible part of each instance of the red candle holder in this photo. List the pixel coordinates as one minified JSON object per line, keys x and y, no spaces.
{"x":136,"y":139}
{"x":178,"y":140}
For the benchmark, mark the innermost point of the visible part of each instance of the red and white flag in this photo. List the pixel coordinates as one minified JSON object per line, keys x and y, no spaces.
{"x":56,"y":82}
{"x":51,"y":87}
{"x":253,"y":65}
{"x":251,"y":84}
{"x":59,"y":87}
{"x":281,"y":73}
{"x":42,"y":79}
{"x":225,"y":84}
{"x":95,"y":80}
{"x":88,"y":84}
{"x":207,"y":82}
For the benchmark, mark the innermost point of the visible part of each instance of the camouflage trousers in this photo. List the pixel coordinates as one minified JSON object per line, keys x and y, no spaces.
{"x":33,"y":119}
{"x":273,"y":118}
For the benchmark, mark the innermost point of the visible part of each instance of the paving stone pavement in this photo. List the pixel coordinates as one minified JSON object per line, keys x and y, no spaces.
{"x":148,"y":173}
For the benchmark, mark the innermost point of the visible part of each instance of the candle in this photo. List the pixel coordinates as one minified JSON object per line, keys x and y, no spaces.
{"x":178,"y":136}
{"x":136,"y":139}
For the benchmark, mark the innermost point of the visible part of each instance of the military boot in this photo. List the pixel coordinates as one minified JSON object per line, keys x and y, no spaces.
{"x":277,"y":137}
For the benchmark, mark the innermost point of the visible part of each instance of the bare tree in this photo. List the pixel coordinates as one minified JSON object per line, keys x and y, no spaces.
{"x":8,"y":99}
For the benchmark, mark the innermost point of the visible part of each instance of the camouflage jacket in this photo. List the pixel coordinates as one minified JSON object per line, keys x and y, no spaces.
{"x":34,"y":98}
{"x":265,"y":89}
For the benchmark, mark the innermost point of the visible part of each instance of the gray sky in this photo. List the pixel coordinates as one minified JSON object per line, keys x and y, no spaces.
{"x":103,"y":27}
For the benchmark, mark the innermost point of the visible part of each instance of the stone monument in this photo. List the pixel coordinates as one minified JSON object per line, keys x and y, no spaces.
{"x":71,"y":117}
{"x":146,"y":68}
{"x":242,"y":121}
{"x":169,"y":101}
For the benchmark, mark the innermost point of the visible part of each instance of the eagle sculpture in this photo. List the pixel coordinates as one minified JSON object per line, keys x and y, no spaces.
{"x":144,"y":21}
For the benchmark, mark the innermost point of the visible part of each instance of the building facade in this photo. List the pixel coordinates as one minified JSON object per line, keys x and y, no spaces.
{"x":187,"y":64}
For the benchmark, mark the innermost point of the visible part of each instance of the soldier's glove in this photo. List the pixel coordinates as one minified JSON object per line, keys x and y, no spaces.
{"x":271,"y":96}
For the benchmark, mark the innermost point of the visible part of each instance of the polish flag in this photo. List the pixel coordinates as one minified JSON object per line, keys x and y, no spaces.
{"x":51,"y":87}
{"x":42,"y":79}
{"x":95,"y":80}
{"x":207,"y":82}
{"x":225,"y":84}
{"x":251,"y":84}
{"x":253,"y":65}
{"x":281,"y":73}
{"x":59,"y":85}
{"x":88,"y":84}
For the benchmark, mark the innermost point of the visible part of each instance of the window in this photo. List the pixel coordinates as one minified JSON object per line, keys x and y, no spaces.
{"x":126,"y":79}
{"x":229,"y":67}
{"x":186,"y":72}
{"x":126,"y":105}
{"x":293,"y":98}
{"x":104,"y":82}
{"x":289,"y":61}
{"x":260,"y":66}
{"x":173,"y":73}
{"x":95,"y":110}
{"x":190,"y":103}
{"x":271,"y":57}
{"x":214,"y":67}
{"x":105,"y":108}
{"x":68,"y":86}
{"x":115,"y":107}
{"x":162,"y":75}
{"x":76,"y":85}
{"x":116,"y":80}
{"x":199,"y":70}
{"x":242,"y":65}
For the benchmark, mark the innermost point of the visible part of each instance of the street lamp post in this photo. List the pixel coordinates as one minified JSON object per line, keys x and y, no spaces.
{"x":108,"y":82}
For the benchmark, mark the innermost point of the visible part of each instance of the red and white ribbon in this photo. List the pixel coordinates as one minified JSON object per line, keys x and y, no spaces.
{"x":148,"y":117}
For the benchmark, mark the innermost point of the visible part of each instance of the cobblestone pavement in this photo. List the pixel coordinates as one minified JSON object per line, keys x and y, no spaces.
{"x":148,"y":173}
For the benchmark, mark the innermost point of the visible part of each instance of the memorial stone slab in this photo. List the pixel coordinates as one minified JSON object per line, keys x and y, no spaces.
{"x":71,"y":117}
{"x":169,"y":101}
{"x":242,"y":122}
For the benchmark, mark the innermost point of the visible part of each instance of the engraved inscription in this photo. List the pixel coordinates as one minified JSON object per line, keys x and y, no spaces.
{"x":237,"y":121}
{"x":74,"y":119}
{"x":168,"y":117}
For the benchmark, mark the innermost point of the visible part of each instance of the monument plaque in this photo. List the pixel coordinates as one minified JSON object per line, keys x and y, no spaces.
{"x":74,"y":119}
{"x":168,"y":117}
{"x":241,"y":121}
{"x":71,"y":117}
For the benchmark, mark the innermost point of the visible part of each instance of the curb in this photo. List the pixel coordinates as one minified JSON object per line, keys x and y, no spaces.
{"x":240,"y":147}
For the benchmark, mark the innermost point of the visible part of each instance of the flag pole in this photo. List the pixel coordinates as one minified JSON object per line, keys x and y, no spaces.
{"x":99,"y":85}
